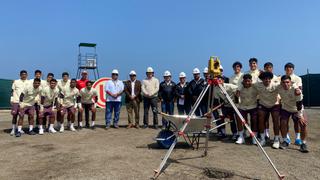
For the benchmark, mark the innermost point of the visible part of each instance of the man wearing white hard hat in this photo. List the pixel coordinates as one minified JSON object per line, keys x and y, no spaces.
{"x":167,"y":92}
{"x":226,"y":79}
{"x":132,"y":90}
{"x":114,"y":89}
{"x":183,"y":100}
{"x":150,"y":89}
{"x":205,"y":100}
{"x":195,"y":88}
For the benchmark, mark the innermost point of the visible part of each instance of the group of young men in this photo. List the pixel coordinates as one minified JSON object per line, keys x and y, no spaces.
{"x":50,"y":100}
{"x":258,"y":93}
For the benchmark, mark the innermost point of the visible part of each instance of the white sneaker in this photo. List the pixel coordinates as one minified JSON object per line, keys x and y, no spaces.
{"x":276,"y":145}
{"x":13,"y":132}
{"x":240,"y":140}
{"x":72,"y":129}
{"x":254,"y":141}
{"x":52,"y":130}
{"x":22,"y":132}
{"x":61,"y":129}
{"x":41,"y":131}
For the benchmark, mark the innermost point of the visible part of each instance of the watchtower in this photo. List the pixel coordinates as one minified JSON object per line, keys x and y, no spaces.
{"x":88,"y":59}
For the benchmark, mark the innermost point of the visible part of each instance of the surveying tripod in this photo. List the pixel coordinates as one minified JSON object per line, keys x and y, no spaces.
{"x":213,"y":81}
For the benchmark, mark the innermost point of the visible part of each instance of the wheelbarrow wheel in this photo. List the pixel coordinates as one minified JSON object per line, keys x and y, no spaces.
{"x":165,"y":138}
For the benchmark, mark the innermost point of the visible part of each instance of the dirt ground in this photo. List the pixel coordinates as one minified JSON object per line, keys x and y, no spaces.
{"x":133,"y":154}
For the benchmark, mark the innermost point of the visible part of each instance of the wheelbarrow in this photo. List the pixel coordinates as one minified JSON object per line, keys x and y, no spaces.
{"x":193,"y":131}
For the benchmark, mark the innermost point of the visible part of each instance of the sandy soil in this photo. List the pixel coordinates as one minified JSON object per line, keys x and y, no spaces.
{"x":133,"y":154}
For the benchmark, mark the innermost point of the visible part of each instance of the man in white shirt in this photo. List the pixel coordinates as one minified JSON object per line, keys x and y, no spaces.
{"x":150,"y":89}
{"x":27,"y":100}
{"x":114,"y":89}
{"x":17,"y":87}
{"x":297,"y":81}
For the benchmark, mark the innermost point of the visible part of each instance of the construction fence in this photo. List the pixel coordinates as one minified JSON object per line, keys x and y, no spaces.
{"x":311,"y":86}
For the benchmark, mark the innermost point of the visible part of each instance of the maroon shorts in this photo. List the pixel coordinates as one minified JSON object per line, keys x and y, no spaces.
{"x":15,"y":109}
{"x":26,"y":110}
{"x":47,"y":111}
{"x":285,"y":115}
{"x":253,"y":114}
{"x":275,"y":108}
{"x":68,"y":110}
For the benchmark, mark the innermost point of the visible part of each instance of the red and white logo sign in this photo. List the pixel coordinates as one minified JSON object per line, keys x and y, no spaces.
{"x":99,"y":85}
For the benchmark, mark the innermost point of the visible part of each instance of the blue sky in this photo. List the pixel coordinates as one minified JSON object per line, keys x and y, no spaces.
{"x":167,"y":35}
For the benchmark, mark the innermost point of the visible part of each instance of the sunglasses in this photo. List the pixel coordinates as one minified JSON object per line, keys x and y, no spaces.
{"x":114,"y":74}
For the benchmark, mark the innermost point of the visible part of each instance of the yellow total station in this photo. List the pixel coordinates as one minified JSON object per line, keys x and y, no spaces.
{"x":214,"y":66}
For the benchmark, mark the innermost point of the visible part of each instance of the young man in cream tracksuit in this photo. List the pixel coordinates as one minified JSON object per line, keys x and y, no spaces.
{"x":70,"y":95}
{"x":292,"y":106}
{"x":254,"y":70}
{"x":227,"y":109}
{"x":289,"y":70}
{"x":17,"y":87}
{"x":49,"y":101}
{"x":27,"y":100}
{"x":247,"y":95}
{"x":62,"y":85}
{"x":268,"y":103}
{"x":89,"y":98}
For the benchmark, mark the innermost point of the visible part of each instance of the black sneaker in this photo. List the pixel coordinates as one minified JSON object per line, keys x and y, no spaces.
{"x":284,"y":145}
{"x":18,"y":134}
{"x":93,"y":127}
{"x":156,"y":127}
{"x":87,"y":125}
{"x":145,"y":126}
{"x":221,"y":136}
{"x":32,"y":133}
{"x":79,"y":127}
{"x":304,"y":148}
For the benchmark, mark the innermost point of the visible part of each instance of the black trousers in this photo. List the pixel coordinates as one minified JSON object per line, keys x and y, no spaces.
{"x":147,"y":103}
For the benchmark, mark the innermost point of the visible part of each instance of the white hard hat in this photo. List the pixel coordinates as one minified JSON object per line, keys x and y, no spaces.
{"x":221,"y":67}
{"x":196,"y":71}
{"x":115,"y":71}
{"x":84,"y":72}
{"x":205,"y":70}
{"x":182,"y":75}
{"x":149,"y":70}
{"x":132,"y":73}
{"x":166,"y":73}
